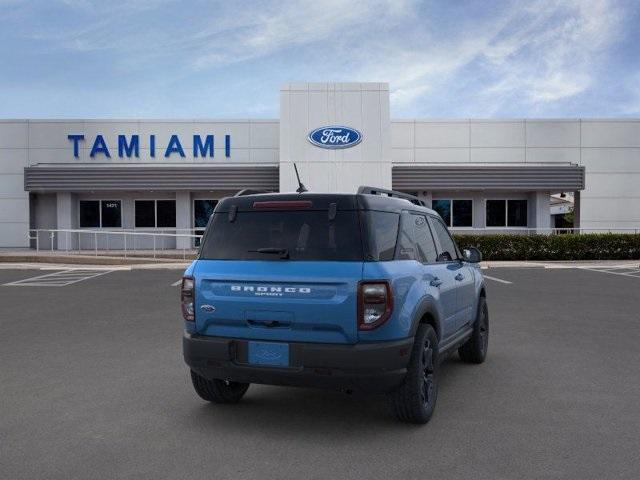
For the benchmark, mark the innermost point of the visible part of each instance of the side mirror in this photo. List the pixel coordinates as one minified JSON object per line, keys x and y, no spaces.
{"x":472,"y":255}
{"x":444,"y":257}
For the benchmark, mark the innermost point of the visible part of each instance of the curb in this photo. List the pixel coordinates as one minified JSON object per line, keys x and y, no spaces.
{"x":87,"y":260}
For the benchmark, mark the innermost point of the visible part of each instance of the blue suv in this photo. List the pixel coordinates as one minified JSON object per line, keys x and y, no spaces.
{"x":356,"y":292}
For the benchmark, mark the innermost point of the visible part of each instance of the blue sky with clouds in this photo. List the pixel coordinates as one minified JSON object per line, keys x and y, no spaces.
{"x":227,"y":59}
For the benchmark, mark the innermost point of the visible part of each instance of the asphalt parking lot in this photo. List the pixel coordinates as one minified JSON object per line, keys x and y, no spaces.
{"x":92,"y":385}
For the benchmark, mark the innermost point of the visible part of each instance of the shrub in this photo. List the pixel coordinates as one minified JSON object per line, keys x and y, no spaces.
{"x":586,"y":246}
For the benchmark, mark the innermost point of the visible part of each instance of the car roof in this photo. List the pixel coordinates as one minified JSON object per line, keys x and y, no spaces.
{"x":321,"y":201}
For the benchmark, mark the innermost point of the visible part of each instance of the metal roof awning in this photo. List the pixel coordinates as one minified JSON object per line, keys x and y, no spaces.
{"x":557,"y":178}
{"x":75,"y":178}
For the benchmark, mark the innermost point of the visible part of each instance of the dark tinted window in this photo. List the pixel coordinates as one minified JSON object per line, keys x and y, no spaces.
{"x":382,"y":234}
{"x":447,"y":246}
{"x":166,"y":213}
{"x":496,"y":213}
{"x":443,"y":207}
{"x":111,"y":213}
{"x":145,"y":213}
{"x":424,"y":240}
{"x":462,"y":213}
{"x":89,"y":214}
{"x":517,"y":213}
{"x":306,"y":235}
{"x":202,"y":210}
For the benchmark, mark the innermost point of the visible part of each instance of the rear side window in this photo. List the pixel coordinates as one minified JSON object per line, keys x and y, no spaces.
{"x":415,"y":241}
{"x":304,"y":235}
{"x":382,"y":234}
{"x":447,"y":246}
{"x":424,"y":240}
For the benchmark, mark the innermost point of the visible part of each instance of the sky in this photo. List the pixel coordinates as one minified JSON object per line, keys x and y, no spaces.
{"x":228,"y":59}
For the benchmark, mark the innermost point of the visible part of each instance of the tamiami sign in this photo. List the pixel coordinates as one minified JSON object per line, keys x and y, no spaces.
{"x":129,"y":146}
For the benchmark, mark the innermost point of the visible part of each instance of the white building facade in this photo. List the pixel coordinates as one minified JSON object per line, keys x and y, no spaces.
{"x":167,"y":175}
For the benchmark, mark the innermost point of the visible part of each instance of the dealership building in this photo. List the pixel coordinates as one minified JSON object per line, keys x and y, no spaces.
{"x":167,"y":175}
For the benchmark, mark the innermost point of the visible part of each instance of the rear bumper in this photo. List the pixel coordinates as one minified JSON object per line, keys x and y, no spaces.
{"x":366,"y":367}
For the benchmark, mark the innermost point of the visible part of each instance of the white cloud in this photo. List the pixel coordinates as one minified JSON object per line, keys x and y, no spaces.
{"x":546,"y":52}
{"x":534,"y":53}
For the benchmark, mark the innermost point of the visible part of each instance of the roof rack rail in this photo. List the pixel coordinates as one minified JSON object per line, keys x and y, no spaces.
{"x":391,"y":193}
{"x":250,"y":191}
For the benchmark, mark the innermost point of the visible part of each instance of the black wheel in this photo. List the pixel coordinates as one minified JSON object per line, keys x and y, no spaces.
{"x":218,"y":391}
{"x":475,"y":349}
{"x":415,"y":400}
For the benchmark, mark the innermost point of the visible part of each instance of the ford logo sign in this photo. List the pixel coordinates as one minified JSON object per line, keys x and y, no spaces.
{"x":335,"y":136}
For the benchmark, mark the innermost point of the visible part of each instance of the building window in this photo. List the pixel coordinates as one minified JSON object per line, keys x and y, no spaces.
{"x":90,"y":214}
{"x":100,"y":214}
{"x":202,"y":211}
{"x":456,"y":213}
{"x":145,"y":213}
{"x":166,"y":213}
{"x":155,"y":213}
{"x":517,"y":213}
{"x":507,"y":213}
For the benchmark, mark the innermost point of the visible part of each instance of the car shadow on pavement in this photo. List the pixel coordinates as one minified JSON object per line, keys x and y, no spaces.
{"x":282,"y":410}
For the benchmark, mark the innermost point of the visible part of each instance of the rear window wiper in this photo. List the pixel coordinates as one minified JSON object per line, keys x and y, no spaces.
{"x":283,"y":252}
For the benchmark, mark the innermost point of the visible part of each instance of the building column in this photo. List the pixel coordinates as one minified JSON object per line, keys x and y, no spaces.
{"x":479,"y":213}
{"x":66,"y":213}
{"x":426,"y":197}
{"x":183,"y":219}
{"x":576,"y":209}
{"x":540,"y":211}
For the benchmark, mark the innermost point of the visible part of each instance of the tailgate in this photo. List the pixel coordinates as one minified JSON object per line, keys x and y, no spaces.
{"x":301,"y":301}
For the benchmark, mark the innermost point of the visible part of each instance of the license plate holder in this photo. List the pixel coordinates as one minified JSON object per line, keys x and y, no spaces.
{"x":269,"y":353}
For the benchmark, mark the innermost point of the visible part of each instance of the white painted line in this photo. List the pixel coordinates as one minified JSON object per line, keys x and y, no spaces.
{"x":60,"y":278}
{"x":175,"y":284}
{"x":499,"y":280}
{"x":111,"y":268}
{"x":632,"y":274}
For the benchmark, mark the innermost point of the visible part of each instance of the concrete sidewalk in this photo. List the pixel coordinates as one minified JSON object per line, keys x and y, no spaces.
{"x":113,"y":257}
{"x":560,"y":264}
{"x":28,"y":258}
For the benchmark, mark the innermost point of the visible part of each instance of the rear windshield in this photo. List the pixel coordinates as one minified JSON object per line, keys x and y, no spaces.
{"x":283,"y":235}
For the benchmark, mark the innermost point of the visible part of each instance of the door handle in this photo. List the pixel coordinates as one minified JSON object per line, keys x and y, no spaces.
{"x":459,"y":277}
{"x":436,"y":282}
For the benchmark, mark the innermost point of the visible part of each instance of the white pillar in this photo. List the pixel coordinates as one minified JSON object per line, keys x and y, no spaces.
{"x":183,"y":219}
{"x":426,"y":197}
{"x":362,"y":106}
{"x":540,"y":211}
{"x":66,"y":213}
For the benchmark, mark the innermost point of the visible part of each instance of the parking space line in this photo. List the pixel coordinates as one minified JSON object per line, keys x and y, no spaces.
{"x":59,"y":279}
{"x":611,"y":271}
{"x":175,"y":284}
{"x":499,"y":280}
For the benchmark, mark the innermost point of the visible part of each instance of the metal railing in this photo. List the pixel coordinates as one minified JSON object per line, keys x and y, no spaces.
{"x":125,"y":241}
{"x":539,"y":231}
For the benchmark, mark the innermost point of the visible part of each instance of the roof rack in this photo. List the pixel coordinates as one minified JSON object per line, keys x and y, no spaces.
{"x":391,"y":193}
{"x":250,"y":191}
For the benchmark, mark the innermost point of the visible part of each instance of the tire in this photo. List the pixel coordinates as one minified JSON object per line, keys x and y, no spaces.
{"x":475,"y":349}
{"x":218,"y":391}
{"x":415,"y":400}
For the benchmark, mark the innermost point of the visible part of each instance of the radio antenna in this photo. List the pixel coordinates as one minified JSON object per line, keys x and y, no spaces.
{"x":301,"y":188}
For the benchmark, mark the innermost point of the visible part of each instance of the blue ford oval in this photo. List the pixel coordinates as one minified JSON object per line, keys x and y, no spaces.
{"x":335,"y":136}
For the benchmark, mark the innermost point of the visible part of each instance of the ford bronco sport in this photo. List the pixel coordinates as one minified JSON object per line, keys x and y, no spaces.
{"x":356,"y":292}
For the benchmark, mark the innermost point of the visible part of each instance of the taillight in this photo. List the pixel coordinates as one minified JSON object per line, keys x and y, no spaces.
{"x":375,"y":304}
{"x":187,"y":296}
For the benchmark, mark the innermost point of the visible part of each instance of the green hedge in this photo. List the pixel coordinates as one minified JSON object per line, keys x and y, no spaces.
{"x":586,"y":246}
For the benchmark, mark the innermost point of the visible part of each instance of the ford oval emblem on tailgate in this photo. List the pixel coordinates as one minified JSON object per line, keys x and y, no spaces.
{"x":207,"y":308}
